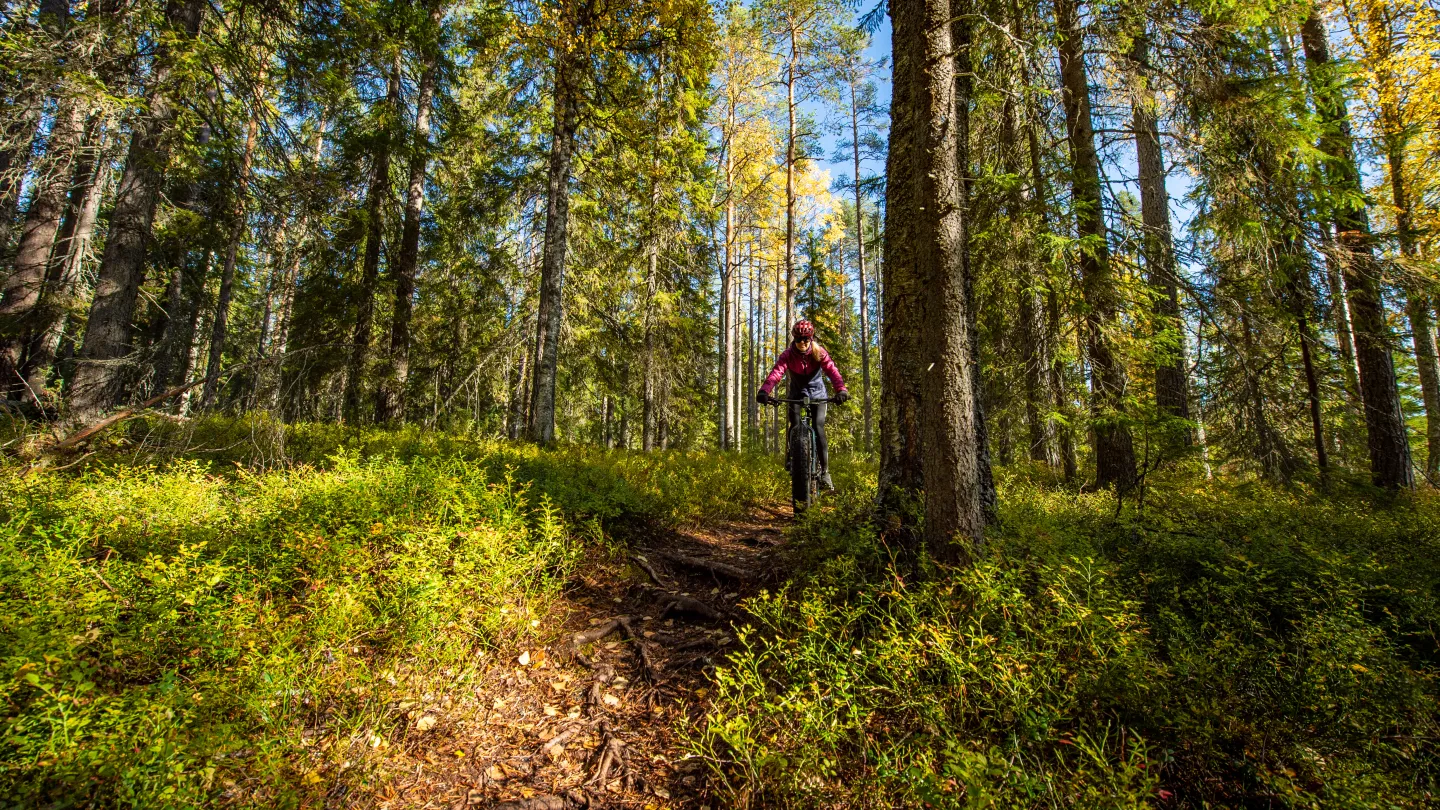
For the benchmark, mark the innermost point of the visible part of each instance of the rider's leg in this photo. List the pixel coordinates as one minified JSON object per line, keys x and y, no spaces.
{"x":792,"y":411}
{"x":822,"y":447}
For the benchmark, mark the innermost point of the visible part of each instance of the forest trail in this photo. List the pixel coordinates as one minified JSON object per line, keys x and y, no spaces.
{"x":589,"y":718}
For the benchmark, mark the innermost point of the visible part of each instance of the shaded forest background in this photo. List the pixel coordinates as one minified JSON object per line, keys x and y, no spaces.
{"x":594,"y":221}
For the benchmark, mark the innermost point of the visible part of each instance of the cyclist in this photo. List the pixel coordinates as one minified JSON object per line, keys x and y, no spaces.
{"x":804,"y":359}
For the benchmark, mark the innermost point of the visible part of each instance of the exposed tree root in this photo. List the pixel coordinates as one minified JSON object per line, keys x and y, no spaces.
{"x":573,"y":798}
{"x":612,"y":755}
{"x":724,"y":569}
{"x":647,"y":665}
{"x":649,"y":569}
{"x":679,"y":603}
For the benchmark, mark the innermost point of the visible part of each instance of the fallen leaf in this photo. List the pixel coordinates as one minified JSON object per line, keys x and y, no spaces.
{"x":524,"y":658}
{"x":495,"y":773}
{"x":611,"y":700}
{"x":426,"y":722}
{"x":551,"y":711}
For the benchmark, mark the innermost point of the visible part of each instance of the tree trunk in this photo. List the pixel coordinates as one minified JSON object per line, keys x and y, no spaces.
{"x":1171,"y":386}
{"x":1114,"y":450}
{"x":238,"y":226}
{"x":1034,"y":337}
{"x":790,"y":66}
{"x":1384,"y":422}
{"x":901,"y":478}
{"x":649,"y":407}
{"x":68,"y":259}
{"x":962,"y":39}
{"x":949,"y":421}
{"x":20,"y":314}
{"x":23,"y":124}
{"x":18,"y":142}
{"x":100,"y":373}
{"x":867,"y":441}
{"x":390,"y":400}
{"x":375,"y":198}
{"x":1051,"y":364}
{"x":552,"y":271}
{"x":726,"y":271}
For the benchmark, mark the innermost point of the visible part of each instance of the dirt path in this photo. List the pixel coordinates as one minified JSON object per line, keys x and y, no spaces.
{"x":589,"y":719}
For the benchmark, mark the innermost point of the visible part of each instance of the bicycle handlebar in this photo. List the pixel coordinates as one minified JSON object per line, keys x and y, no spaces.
{"x":803,"y":401}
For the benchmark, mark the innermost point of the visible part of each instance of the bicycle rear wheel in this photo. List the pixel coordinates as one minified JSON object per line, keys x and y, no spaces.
{"x":801,"y":454}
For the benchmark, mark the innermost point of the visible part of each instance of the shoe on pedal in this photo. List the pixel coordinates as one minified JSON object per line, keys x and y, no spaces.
{"x":825,"y":481}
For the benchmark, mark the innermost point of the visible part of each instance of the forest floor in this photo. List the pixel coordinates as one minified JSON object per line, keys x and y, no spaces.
{"x":595,"y":716}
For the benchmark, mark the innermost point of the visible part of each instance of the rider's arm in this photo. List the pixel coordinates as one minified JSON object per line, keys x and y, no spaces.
{"x":773,"y":379}
{"x":827,"y":364}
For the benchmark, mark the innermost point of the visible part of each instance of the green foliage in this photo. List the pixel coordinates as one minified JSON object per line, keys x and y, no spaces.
{"x":1230,"y":646}
{"x":177,"y":631}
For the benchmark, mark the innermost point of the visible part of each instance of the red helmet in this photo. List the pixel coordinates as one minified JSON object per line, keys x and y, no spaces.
{"x":803,"y":329}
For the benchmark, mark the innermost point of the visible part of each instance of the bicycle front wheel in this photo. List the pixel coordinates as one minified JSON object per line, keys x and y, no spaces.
{"x":800,"y":456}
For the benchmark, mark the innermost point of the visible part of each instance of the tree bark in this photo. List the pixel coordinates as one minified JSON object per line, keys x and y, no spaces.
{"x":1026,"y":212}
{"x":1171,"y":385}
{"x":375,"y":199}
{"x":791,"y":64}
{"x":1385,"y":427}
{"x":867,"y":441}
{"x":1114,"y":450}
{"x":390,"y":401}
{"x":72,"y":245}
{"x":901,"y":478}
{"x":100,"y":373}
{"x":238,"y":225}
{"x":949,"y":421}
{"x":18,"y":142}
{"x":19,"y":305}
{"x":20,"y":315}
{"x":552,"y":270}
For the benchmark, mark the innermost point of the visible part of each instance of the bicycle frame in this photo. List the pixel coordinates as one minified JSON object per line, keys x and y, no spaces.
{"x":803,"y":494}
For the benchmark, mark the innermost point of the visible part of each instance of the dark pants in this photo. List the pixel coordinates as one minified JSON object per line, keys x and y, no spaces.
{"x":817,"y":415}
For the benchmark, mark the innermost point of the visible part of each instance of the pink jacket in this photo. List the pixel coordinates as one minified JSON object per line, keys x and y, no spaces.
{"x":804,"y":365}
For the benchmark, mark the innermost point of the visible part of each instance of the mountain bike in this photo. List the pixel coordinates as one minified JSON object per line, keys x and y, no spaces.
{"x":800,"y":459}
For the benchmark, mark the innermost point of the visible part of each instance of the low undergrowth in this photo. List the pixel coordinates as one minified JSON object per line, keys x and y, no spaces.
{"x":230,"y":612}
{"x":1229,"y":646}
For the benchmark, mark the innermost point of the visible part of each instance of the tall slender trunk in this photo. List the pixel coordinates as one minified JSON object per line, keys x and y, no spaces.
{"x":860,"y":266}
{"x":1419,"y":304}
{"x":1053,"y":369}
{"x":1384,"y":422}
{"x":901,"y":477}
{"x":790,"y":67}
{"x":1171,"y":386}
{"x":19,"y":304}
{"x":949,"y":421}
{"x":23,"y":121}
{"x":16,"y":143}
{"x":726,"y":271}
{"x":72,"y":245}
{"x":102,"y":370}
{"x":650,"y":410}
{"x":1033,"y":334}
{"x":375,"y":198}
{"x":238,"y":225}
{"x":962,"y":40}
{"x":1340,"y":312}
{"x":552,"y":272}
{"x":1296,"y":272}
{"x":272,"y":367}
{"x":1114,"y":449}
{"x":390,"y":399}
